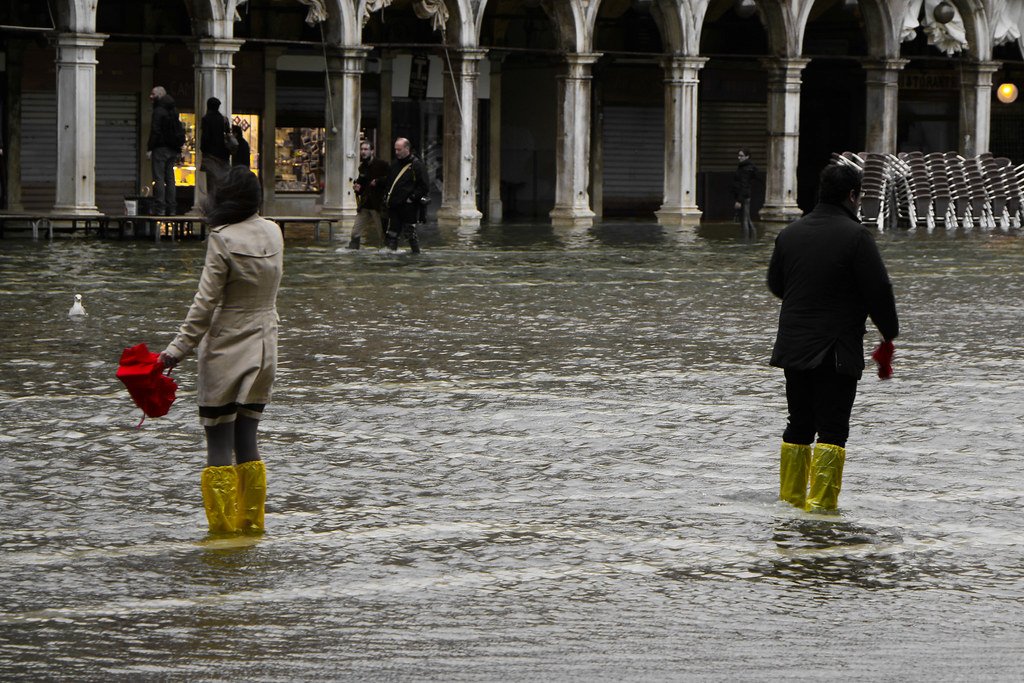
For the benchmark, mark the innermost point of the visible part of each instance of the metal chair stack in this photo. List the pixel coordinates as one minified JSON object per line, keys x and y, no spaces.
{"x":939,"y":189}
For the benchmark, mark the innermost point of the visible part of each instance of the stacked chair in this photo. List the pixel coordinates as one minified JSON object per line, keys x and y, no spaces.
{"x":942,"y":189}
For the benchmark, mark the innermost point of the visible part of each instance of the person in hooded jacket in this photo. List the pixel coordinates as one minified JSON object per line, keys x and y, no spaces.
{"x":232,"y":326}
{"x":163,"y":151}
{"x":828,"y":272}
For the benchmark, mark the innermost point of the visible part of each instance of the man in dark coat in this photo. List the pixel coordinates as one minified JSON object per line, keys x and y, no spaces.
{"x":242,"y":156}
{"x":407,"y":190}
{"x":745,"y":174}
{"x":163,"y":151}
{"x":216,"y":157}
{"x":369,"y":187}
{"x":828,"y":272}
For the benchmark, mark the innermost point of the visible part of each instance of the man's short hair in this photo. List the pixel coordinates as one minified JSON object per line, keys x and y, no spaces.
{"x":159,"y":91}
{"x":744,"y":151}
{"x":837,"y":181}
{"x":367,"y":143}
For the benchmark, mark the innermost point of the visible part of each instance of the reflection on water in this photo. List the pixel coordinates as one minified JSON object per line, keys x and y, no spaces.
{"x":526,"y":454}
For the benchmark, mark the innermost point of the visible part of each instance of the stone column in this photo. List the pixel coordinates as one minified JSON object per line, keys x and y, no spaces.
{"x":882,"y":84}
{"x":384,"y":139}
{"x":344,"y":113}
{"x":76,"y":122}
{"x":214,"y":62}
{"x":12,"y":155}
{"x":495,"y":209}
{"x":268,"y":123}
{"x":783,"y":138}
{"x":976,"y":108}
{"x":682,"y":76}
{"x":458,"y":201}
{"x":572,"y":144}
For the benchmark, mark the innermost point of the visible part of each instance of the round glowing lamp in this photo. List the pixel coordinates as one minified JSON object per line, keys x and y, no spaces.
{"x":1007,"y":93}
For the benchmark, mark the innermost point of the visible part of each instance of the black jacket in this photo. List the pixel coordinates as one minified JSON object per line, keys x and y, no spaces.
{"x":828,"y":272}
{"x":741,"y":181}
{"x":372,"y":196}
{"x":211,"y":136}
{"x":403,"y":197}
{"x":242,"y":155}
{"x":161,"y":128}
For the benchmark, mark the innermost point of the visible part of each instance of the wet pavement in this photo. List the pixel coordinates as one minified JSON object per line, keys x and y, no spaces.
{"x":525,"y":454}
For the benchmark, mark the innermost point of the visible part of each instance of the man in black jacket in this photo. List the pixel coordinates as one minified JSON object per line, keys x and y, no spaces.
{"x":163,"y":151}
{"x":407,"y":190}
{"x":369,"y":187}
{"x":744,"y":177}
{"x":829,"y":274}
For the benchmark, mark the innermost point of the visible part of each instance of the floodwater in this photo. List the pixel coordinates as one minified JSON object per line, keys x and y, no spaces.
{"x":523,"y":455}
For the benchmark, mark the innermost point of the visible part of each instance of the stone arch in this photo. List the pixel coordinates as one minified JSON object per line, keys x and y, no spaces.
{"x":880,"y":30}
{"x":568,"y":18}
{"x":776,"y":17}
{"x":76,"y":16}
{"x":343,"y":27}
{"x":461,"y":30}
{"x":976,"y":24}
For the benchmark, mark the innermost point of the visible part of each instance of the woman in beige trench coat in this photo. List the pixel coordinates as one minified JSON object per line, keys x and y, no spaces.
{"x":232,"y":325}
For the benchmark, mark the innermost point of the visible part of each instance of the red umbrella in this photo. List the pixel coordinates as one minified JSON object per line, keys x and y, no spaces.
{"x":142,"y":372}
{"x":883,"y":356}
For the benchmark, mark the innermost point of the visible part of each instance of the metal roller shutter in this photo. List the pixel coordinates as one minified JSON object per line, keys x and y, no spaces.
{"x":117,"y":169}
{"x":117,"y":150}
{"x":634,"y":163}
{"x":38,"y":150}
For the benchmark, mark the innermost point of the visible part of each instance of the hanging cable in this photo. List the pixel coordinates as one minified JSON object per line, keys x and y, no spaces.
{"x":327,"y":79}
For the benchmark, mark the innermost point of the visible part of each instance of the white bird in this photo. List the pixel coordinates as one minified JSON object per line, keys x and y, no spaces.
{"x":77,"y":308}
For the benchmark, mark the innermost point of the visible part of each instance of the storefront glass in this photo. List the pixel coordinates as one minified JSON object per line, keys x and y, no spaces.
{"x":185,"y":172}
{"x":299,"y":159}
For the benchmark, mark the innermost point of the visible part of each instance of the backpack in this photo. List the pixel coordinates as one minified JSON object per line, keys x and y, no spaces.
{"x":177,"y":131}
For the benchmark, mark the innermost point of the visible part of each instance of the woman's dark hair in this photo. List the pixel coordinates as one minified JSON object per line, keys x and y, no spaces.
{"x":237,"y":197}
{"x":836,"y":182}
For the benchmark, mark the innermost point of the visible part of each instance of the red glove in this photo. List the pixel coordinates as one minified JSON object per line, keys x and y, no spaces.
{"x":883,"y":356}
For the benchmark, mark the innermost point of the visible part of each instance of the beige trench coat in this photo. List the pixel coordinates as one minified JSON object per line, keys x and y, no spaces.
{"x":233,"y":318}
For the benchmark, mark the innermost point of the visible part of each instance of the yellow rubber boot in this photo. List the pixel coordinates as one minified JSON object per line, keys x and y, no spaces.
{"x":794,"y":462}
{"x":826,"y":477}
{"x":220,"y":495}
{"x":252,"y":492}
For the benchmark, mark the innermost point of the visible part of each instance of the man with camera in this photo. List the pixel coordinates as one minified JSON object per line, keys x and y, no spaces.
{"x":408,"y":190}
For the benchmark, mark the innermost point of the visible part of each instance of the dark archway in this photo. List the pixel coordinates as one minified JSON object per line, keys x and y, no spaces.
{"x":733,"y":105}
{"x":629,"y":110}
{"x":526,"y":40}
{"x":832,"y":93}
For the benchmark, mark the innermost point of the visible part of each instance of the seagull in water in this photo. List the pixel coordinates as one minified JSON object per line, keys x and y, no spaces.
{"x":77,"y":308}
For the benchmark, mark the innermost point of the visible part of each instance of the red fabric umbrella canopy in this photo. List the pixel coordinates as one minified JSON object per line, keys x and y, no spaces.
{"x":142,"y":372}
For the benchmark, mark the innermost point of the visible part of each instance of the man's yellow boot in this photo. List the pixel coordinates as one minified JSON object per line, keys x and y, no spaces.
{"x":220,"y":495}
{"x":794,"y":463}
{"x":826,"y":477}
{"x":252,"y":493}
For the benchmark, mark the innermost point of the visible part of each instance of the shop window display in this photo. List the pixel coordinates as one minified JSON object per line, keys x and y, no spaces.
{"x":299,"y":159}
{"x":185,"y":171}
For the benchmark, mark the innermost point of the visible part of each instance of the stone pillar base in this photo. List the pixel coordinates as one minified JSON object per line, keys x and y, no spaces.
{"x":569,"y":217}
{"x":678,"y":215}
{"x":72,"y":210}
{"x":786,"y":213}
{"x":455,"y":217}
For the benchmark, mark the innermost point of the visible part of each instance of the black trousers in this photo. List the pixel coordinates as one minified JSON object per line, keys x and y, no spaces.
{"x":820,"y":402}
